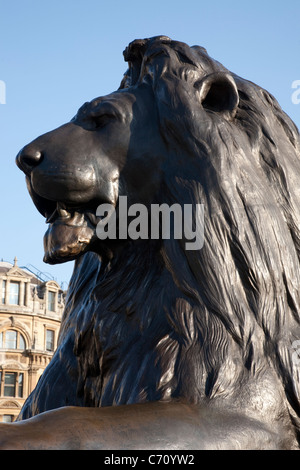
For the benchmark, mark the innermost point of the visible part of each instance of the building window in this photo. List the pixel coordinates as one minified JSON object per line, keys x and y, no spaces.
{"x":14,"y":293}
{"x":8,"y":418}
{"x":21,"y":342}
{"x":3,"y":291}
{"x":20,"y":385}
{"x":49,"y":340}
{"x":51,"y":301}
{"x":25,"y":294}
{"x":11,"y":339}
{"x":13,"y":384}
{"x":10,"y":384}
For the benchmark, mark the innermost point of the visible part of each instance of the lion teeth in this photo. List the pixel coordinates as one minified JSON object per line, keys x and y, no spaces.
{"x":59,"y":212}
{"x":63,"y":213}
{"x":62,"y":210}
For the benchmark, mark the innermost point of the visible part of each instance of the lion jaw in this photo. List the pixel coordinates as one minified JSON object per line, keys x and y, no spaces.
{"x":76,"y":230}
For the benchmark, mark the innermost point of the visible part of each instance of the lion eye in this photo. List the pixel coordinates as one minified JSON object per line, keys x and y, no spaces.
{"x":102,"y":120}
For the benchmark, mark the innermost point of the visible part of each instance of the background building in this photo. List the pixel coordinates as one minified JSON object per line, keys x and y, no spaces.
{"x":30,"y":316}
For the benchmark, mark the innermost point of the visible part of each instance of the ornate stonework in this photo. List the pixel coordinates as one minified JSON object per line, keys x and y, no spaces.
{"x":30,"y":315}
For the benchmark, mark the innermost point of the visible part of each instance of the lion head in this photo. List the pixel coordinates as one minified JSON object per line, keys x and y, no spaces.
{"x":113,"y":146}
{"x":162,"y":322}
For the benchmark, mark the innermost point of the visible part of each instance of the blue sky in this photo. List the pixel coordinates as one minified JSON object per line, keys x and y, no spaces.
{"x":55,"y":55}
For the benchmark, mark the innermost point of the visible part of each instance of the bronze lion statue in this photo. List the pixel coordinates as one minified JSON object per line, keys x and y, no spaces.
{"x":162,"y":347}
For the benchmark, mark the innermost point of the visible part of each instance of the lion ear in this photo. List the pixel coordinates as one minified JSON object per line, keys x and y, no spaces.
{"x":218,"y":92}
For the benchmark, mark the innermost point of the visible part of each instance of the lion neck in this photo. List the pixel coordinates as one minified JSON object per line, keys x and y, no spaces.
{"x":146,"y":335}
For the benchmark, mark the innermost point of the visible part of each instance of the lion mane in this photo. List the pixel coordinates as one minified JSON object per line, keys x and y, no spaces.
{"x":159,"y":322}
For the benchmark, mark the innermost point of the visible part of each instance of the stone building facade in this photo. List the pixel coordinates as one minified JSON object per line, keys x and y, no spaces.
{"x":30,"y":317}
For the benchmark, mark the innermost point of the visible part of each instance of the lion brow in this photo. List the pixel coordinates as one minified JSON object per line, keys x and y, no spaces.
{"x":99,"y":106}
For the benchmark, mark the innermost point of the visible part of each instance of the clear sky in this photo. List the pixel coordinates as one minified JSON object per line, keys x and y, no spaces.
{"x":55,"y":55}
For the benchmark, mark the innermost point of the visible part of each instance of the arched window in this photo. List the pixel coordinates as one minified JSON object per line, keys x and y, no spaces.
{"x":12,"y":339}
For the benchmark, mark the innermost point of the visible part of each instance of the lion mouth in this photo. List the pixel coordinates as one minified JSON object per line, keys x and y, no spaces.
{"x":71,"y":216}
{"x":70,"y":233}
{"x":71,"y":229}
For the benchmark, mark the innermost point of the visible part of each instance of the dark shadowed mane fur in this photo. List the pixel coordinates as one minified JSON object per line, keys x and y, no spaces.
{"x":183,"y":323}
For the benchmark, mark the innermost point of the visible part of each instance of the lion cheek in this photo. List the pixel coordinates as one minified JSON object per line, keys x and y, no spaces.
{"x":66,"y":242}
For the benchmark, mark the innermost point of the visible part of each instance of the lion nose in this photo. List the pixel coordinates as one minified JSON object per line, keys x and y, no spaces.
{"x":28,"y":158}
